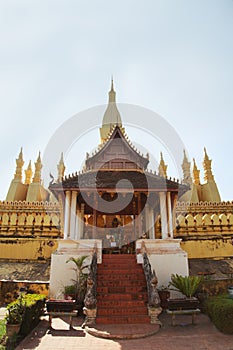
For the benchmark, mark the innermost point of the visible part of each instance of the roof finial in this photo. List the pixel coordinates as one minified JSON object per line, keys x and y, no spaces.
{"x":162,"y":166}
{"x":196,"y":173}
{"x":37,"y":174}
{"x":208,"y":175}
{"x":112,"y":86}
{"x":186,"y":170}
{"x":112,"y":93}
{"x":61,"y":168}
{"x":28,"y":174}
{"x":19,"y":166}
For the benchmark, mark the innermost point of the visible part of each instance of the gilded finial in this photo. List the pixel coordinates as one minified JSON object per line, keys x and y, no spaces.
{"x":61,"y":169}
{"x":28,"y":174}
{"x":208,"y":175}
{"x":112,"y":86}
{"x":196,"y":173}
{"x":38,"y":167}
{"x":112,"y":93}
{"x":186,"y":170}
{"x":162,"y":166}
{"x":19,"y":166}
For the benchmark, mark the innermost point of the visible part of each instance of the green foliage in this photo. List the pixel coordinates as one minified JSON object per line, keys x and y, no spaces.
{"x":70,"y":289}
{"x":187,"y":285}
{"x":2,"y":329}
{"x":35,"y":304}
{"x":26,"y":310}
{"x":15,"y":311}
{"x":81,"y":276}
{"x":220,"y":311}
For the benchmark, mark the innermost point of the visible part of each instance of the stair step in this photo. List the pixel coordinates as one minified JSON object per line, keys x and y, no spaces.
{"x":123,"y":296}
{"x":120,"y":277}
{"x":120,"y":283}
{"x":121,"y":303}
{"x":117,"y":256}
{"x":122,"y":319}
{"x":140,"y":310}
{"x":121,"y":289}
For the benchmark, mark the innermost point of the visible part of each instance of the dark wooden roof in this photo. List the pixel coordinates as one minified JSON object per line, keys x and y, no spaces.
{"x":123,"y":180}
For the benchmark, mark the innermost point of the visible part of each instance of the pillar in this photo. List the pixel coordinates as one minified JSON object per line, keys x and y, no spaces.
{"x":73,"y":213}
{"x":169,"y":213}
{"x":163,"y":214}
{"x":67,"y":214}
{"x":147,"y":218}
{"x":151,"y":224}
{"x":139,"y":216}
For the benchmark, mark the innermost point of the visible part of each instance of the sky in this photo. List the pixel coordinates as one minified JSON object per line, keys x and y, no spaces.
{"x":173,"y":57}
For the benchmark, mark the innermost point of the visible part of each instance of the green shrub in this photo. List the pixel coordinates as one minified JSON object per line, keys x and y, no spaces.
{"x":34,"y":309}
{"x":187,"y":285}
{"x":220,"y":311}
{"x":26,"y":310}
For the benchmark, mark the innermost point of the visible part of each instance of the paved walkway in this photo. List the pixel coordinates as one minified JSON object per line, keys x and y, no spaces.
{"x":202,"y":336}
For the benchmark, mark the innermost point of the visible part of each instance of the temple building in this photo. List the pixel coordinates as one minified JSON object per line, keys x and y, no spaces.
{"x":115,"y":206}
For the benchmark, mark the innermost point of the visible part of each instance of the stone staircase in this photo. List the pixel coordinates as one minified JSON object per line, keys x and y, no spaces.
{"x":121,"y":290}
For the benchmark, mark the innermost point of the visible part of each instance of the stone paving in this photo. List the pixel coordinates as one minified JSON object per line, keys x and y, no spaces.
{"x":203,"y":336}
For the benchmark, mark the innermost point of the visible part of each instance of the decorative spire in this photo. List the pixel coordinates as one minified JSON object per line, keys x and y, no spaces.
{"x":38,"y":166}
{"x":61,"y":169}
{"x":19,"y":166}
{"x":186,"y":170}
{"x":28,"y":174}
{"x":112,"y":93}
{"x":162,"y":166}
{"x":111,"y":116}
{"x":196,"y":174}
{"x":208,"y":175}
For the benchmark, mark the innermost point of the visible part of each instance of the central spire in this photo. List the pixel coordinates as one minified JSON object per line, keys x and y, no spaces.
{"x":111,"y":116}
{"x":112,"y":94}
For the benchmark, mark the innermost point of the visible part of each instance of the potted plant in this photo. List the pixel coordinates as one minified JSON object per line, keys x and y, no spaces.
{"x":188,"y":286}
{"x":81,"y":279}
{"x":164,"y":295}
{"x":14,"y":317}
{"x":70,"y":292}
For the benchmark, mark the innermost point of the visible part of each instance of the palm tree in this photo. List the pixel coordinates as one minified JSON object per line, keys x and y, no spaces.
{"x":81,"y":277}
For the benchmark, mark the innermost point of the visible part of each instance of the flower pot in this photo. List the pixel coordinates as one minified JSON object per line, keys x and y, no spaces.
{"x":183,"y":303}
{"x":69,"y":296}
{"x":12,"y":329}
{"x":230,"y":291}
{"x":60,"y":305}
{"x":164,"y":295}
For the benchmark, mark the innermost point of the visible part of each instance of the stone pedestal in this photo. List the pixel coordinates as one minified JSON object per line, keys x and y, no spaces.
{"x":154,"y":312}
{"x":90,"y":316}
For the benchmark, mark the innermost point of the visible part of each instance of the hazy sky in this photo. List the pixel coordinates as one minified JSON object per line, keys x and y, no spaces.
{"x":174,"y":57}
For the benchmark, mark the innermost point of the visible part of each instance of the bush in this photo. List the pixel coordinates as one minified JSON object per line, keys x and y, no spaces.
{"x":187,"y":285}
{"x":34,"y":309}
{"x":220,"y":311}
{"x":26,"y":310}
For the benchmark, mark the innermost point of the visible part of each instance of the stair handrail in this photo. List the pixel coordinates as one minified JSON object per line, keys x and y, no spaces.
{"x":90,"y":300}
{"x":151,"y":281}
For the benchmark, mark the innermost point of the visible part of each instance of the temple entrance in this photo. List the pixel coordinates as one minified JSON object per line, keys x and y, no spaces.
{"x":116,"y":231}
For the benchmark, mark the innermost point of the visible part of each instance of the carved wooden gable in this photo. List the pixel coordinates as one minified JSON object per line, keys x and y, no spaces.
{"x":117,"y":153}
